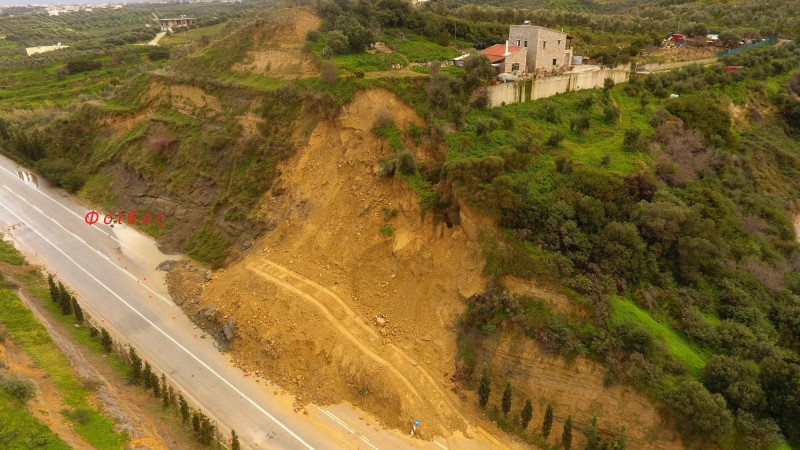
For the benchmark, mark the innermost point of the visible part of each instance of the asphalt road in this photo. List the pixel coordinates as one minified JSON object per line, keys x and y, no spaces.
{"x":121,"y":288}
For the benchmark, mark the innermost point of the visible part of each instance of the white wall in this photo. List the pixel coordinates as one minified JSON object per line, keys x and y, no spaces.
{"x":526,"y":90}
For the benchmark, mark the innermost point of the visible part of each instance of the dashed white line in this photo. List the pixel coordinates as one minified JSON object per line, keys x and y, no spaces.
{"x":337,"y":420}
{"x":364,"y":438}
{"x":170,"y":338}
{"x":440,"y":445}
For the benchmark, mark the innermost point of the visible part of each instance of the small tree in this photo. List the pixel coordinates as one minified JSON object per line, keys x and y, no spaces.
{"x":76,"y":308}
{"x":147,"y":375}
{"x":506,"y":402}
{"x":136,"y":365}
{"x":171,"y":395}
{"x":234,"y":441}
{"x":183,"y":405}
{"x":555,"y":138}
{"x":164,"y":390}
{"x":527,"y":414}
{"x":196,"y":422}
{"x":566,"y":435}
{"x":64,"y":299}
{"x":608,"y":83}
{"x":485,"y":388}
{"x":53,"y":288}
{"x":337,"y":41}
{"x":593,"y":441}
{"x":547,"y":424}
{"x":479,"y":70}
{"x":105,"y":339}
{"x":156,"y":385}
{"x":580,"y":123}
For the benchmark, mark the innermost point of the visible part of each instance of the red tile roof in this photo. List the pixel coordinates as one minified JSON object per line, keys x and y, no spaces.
{"x":497,"y":51}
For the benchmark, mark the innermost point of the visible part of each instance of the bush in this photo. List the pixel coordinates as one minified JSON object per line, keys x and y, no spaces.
{"x":551,"y":113}
{"x":18,"y":387}
{"x":555,"y":138}
{"x":406,"y":163}
{"x":579,"y":124}
{"x":337,"y":42}
{"x":702,"y":414}
{"x":611,"y":113}
{"x":158,"y":53}
{"x":82,"y":65}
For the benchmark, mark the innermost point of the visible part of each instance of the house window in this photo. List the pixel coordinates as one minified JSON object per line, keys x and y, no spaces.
{"x":517,"y":42}
{"x":559,"y":42}
{"x":514,"y":67}
{"x":544,"y":45}
{"x":554,"y":62}
{"x":526,"y":43}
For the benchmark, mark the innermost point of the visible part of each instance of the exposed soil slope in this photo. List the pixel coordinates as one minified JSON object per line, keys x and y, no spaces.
{"x":278,"y":45}
{"x":306,"y":298}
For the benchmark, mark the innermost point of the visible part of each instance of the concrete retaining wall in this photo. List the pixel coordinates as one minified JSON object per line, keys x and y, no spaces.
{"x":526,"y":90}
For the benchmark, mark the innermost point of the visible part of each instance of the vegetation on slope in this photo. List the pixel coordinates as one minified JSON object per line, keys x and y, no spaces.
{"x":670,"y":223}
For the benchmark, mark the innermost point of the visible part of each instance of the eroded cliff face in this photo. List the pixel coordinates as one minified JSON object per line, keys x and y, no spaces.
{"x":331,"y":307}
{"x":574,"y":388}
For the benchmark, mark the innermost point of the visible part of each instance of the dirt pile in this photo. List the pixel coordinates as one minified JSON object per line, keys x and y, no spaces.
{"x":278,"y":45}
{"x":330,"y":307}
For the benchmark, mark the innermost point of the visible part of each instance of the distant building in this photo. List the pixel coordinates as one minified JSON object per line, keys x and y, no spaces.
{"x":44,"y":49}
{"x":168,"y":24}
{"x":546,"y":49}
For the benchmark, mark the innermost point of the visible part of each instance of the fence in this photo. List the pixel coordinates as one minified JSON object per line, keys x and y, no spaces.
{"x":734,"y":51}
{"x":527,"y":90}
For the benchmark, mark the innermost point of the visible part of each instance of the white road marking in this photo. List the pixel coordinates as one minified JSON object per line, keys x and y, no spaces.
{"x":337,"y":420}
{"x":164,"y":299}
{"x":440,"y":445}
{"x":178,"y":344}
{"x":78,"y":216}
{"x":364,"y":438}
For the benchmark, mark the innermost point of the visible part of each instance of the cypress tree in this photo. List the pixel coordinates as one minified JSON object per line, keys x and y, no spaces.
{"x":527,"y":414}
{"x":485,"y":388}
{"x":235,"y":441}
{"x":566,"y":436}
{"x":78,"y":310}
{"x":196,"y":423}
{"x":592,"y":435}
{"x":64,"y":299}
{"x":53,"y":289}
{"x":147,"y":375}
{"x":184,"y":407}
{"x":164,"y":390}
{"x":105,"y":339}
{"x":171,"y":396}
{"x":506,"y":402}
{"x":547,"y":424}
{"x":136,"y":366}
{"x":156,"y":386}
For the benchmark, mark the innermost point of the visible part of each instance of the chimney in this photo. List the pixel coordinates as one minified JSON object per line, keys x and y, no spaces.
{"x":506,"y":53}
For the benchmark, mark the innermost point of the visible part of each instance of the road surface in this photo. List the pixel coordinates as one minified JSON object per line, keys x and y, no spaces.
{"x":112,"y":271}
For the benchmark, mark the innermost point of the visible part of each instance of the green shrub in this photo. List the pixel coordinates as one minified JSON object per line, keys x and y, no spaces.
{"x":386,"y":230}
{"x":406,"y":163}
{"x":18,"y":387}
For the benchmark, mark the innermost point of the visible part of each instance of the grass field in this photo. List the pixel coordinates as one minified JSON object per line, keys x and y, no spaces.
{"x":417,"y":48}
{"x":10,"y":255}
{"x":625,"y":311}
{"x":32,"y":338}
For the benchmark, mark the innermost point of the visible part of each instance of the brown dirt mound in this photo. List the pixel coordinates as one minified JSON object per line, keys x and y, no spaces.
{"x":278,"y":45}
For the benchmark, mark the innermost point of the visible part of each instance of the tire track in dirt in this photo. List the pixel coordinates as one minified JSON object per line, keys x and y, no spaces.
{"x":360,"y":334}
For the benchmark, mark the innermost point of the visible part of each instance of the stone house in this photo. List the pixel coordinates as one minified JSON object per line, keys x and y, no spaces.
{"x":507,"y":58}
{"x":546,"y":49}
